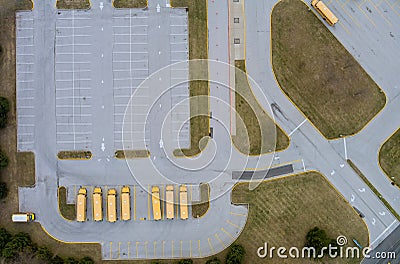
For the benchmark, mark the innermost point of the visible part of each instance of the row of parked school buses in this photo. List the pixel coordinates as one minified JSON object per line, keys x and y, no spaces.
{"x":125,"y":207}
{"x":169,"y":200}
{"x":98,"y":204}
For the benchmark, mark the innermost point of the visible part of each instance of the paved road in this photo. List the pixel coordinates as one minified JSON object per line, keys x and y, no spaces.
{"x":388,"y":246}
{"x":308,"y":144}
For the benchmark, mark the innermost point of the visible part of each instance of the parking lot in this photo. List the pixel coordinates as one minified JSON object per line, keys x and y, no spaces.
{"x":370,"y":31}
{"x":73,"y":80}
{"x":25,"y":81}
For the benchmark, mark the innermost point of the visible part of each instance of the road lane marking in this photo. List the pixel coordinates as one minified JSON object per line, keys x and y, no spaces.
{"x":119,"y":250}
{"x":154,"y":248}
{"x":198,"y":246}
{"x":220,"y":241}
{"x":137,"y":249}
{"x":129,"y":250}
{"x":190,"y":248}
{"x":297,"y":127}
{"x":379,"y":11}
{"x":145,"y":248}
{"x":232,"y":224}
{"x":172,"y":243}
{"x":110,"y":250}
{"x":163,"y":245}
{"x":227,"y":233}
{"x":211,"y":246}
{"x":232,"y":213}
{"x":181,"y":247}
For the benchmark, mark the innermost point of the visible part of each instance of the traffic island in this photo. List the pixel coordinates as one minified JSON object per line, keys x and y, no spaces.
{"x":73,"y":4}
{"x":130,"y":3}
{"x":389,"y":157}
{"x":319,"y":75}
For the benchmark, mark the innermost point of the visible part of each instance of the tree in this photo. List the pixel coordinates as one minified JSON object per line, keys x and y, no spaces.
{"x":57,"y":260}
{"x":5,"y":237}
{"x":317,"y":238}
{"x":71,"y":260}
{"x":213,"y":261}
{"x":3,"y":160}
{"x":235,"y":254}
{"x":3,"y":190}
{"x":44,"y":253}
{"x":86,"y":260}
{"x":4,"y":108}
{"x":185,"y":261}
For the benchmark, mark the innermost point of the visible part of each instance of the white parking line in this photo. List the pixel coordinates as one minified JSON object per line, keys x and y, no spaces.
{"x":76,"y":44}
{"x":69,"y":36}
{"x":74,"y":27}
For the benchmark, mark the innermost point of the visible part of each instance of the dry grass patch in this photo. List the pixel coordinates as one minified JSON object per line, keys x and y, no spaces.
{"x":200,"y":208}
{"x":319,"y":75}
{"x":73,"y":4}
{"x":198,"y":49}
{"x":130,"y":3}
{"x":131,"y":154}
{"x":281,"y":212}
{"x":389,"y":157}
{"x":256,"y":132}
{"x":68,"y":211}
{"x":75,"y":155}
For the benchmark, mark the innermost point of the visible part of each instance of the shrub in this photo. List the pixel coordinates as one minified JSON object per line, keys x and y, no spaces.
{"x":317,"y":238}
{"x":213,"y":261}
{"x":86,"y":260}
{"x":5,"y":237}
{"x":235,"y":254}
{"x":3,"y":190}
{"x":3,"y":160}
{"x":44,"y":253}
{"x":4,"y":109}
{"x":185,"y":261}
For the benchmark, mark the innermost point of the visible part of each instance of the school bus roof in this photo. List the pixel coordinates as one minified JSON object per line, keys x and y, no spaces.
{"x":97,"y":190}
{"x":125,"y":189}
{"x":326,"y":12}
{"x":155,"y":189}
{"x":112,"y":192}
{"x":82,"y":191}
{"x":183,"y":188}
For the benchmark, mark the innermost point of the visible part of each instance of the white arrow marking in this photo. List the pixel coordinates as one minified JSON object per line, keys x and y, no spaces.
{"x":352,"y":198}
{"x":103,"y":147}
{"x":103,"y":139}
{"x":102,"y":81}
{"x":382,"y":213}
{"x":332,"y":172}
{"x":373,"y":221}
{"x":154,"y":158}
{"x":362,"y":190}
{"x":341,"y":165}
{"x":161,"y":143}
{"x":102,"y":28}
{"x":102,"y":55}
{"x":160,"y":105}
{"x":158,"y":8}
{"x":108,"y":159}
{"x":101,"y":6}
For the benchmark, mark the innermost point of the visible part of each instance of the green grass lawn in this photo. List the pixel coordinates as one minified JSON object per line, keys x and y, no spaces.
{"x":130,"y":3}
{"x":319,"y":75}
{"x":281,"y":212}
{"x":256,"y":132}
{"x":73,"y":4}
{"x":199,"y":90}
{"x":389,"y":157}
{"x":68,"y":211}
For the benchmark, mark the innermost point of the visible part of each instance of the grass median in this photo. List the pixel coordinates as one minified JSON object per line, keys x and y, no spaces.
{"x":73,"y":4}
{"x":130,"y":3}
{"x":319,"y":75}
{"x":256,"y":132}
{"x":68,"y":211}
{"x":389,"y":157}
{"x":372,"y":187}
{"x":199,"y":90}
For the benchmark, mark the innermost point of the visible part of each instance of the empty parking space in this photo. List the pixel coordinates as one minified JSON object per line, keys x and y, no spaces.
{"x":25,"y":80}
{"x":206,"y":245}
{"x":179,"y":75}
{"x":73,"y":80}
{"x":130,"y":68}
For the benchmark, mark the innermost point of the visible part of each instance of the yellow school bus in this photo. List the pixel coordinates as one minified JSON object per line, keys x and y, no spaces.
{"x":183,"y":201}
{"x":97,"y":204}
{"x":170,"y":201}
{"x":81,"y":205}
{"x":125,"y":204}
{"x":112,"y":205}
{"x":155,"y":198}
{"x":325,"y":12}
